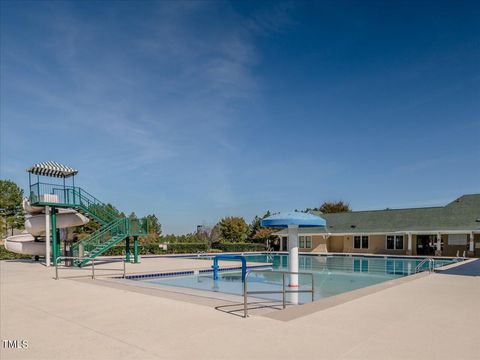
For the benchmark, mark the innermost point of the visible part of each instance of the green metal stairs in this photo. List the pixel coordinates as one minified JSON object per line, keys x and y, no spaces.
{"x":113,"y":230}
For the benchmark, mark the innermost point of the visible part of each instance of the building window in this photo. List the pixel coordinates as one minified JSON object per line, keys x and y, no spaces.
{"x":360,"y":242}
{"x":457,"y":239}
{"x":305,"y":242}
{"x":394,"y":242}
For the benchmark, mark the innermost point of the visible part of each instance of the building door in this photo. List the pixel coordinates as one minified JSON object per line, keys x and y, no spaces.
{"x":425,"y":245}
{"x":284,"y":243}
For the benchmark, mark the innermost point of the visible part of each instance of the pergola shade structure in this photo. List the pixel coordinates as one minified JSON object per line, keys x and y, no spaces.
{"x":52,"y":169}
{"x":50,"y":192}
{"x":50,"y":195}
{"x":293,"y":221}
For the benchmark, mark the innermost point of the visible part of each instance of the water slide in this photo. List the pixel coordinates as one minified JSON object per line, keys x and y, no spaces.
{"x":32,"y":241}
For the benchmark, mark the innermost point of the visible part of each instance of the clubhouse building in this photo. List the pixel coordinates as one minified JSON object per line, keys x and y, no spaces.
{"x":450,"y":230}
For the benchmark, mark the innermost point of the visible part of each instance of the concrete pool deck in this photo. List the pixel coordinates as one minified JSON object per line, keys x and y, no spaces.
{"x":432,"y":316}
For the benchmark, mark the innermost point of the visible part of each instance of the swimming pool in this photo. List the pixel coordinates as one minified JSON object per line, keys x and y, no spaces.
{"x":333,"y":274}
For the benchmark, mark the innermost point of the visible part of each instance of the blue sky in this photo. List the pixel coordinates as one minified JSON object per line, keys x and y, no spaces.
{"x":198,"y":110}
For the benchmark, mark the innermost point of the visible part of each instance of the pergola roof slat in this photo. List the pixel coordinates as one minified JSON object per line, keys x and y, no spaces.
{"x":52,"y":169}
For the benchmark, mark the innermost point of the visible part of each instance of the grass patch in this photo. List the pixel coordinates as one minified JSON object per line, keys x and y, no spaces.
{"x":8,"y":255}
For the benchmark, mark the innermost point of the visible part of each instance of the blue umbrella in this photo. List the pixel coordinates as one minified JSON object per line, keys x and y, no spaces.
{"x":282,"y":220}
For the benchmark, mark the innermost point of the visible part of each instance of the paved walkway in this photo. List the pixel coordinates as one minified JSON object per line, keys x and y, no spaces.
{"x":430,"y":317}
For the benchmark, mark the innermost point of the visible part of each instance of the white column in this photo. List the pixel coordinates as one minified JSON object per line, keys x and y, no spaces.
{"x":439,"y":241}
{"x":471,"y":248}
{"x":293,"y":254}
{"x":47,"y":235}
{"x":409,"y":241}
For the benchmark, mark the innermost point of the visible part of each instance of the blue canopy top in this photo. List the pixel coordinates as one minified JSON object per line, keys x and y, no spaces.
{"x":301,"y":219}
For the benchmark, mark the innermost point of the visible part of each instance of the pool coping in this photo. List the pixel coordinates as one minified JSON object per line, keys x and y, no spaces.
{"x":162,"y":274}
{"x":298,"y":311}
{"x":216,"y":300}
{"x":206,"y":298}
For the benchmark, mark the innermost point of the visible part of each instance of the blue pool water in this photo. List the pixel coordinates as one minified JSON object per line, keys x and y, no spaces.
{"x":332,"y":275}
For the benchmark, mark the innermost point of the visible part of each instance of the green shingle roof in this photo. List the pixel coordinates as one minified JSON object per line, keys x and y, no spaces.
{"x":461,"y":214}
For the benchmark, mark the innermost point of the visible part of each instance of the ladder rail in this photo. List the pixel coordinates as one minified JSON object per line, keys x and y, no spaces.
{"x":431,"y":265}
{"x":284,"y":291}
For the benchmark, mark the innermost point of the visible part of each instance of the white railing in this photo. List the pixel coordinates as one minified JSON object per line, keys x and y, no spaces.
{"x":60,"y":258}
{"x":431,"y":265}
{"x":283,"y":291}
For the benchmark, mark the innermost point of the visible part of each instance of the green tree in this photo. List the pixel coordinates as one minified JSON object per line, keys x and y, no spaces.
{"x":256,"y":225}
{"x":334,"y":207}
{"x":11,"y":205}
{"x":233,"y":229}
{"x":264,"y":234}
{"x":154,"y":227}
{"x":187,"y":238}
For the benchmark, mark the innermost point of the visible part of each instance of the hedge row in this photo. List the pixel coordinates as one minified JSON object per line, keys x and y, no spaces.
{"x":187,"y":248}
{"x":240,"y":247}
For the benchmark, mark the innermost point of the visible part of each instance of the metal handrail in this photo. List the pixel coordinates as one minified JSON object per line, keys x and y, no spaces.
{"x":283,"y":292}
{"x":124,"y":270}
{"x":431,"y":265}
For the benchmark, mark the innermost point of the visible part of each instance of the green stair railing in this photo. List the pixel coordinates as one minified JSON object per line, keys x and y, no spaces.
{"x":101,"y":240}
{"x":114,"y":228}
{"x":70,"y":196}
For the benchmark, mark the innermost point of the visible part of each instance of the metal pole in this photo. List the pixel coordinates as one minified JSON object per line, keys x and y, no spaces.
{"x":56,"y":271}
{"x":54,"y":235}
{"x":245,"y":307}
{"x":47,"y":236}
{"x":127,"y":249}
{"x":93,"y":269}
{"x":135,"y":249}
{"x":124,"y":268}
{"x":283,"y":291}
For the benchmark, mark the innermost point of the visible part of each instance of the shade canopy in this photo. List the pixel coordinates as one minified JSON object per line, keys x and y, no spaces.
{"x":301,"y":219}
{"x":52,"y":169}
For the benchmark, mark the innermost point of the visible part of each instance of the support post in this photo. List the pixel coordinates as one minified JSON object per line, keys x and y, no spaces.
{"x":438,"y":248}
{"x":293,"y":254}
{"x":471,"y":246}
{"x":81,"y":250}
{"x":410,"y":241}
{"x":135,"y":249}
{"x":47,"y":236}
{"x":54,"y":235}
{"x":127,"y":249}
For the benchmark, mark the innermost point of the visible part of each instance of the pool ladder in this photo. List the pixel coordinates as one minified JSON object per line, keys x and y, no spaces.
{"x":431,"y":265}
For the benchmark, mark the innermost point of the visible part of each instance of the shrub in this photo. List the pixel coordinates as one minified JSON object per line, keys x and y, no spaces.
{"x":7,"y":255}
{"x":154,"y":249}
{"x":240,"y":247}
{"x":185,"y":248}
